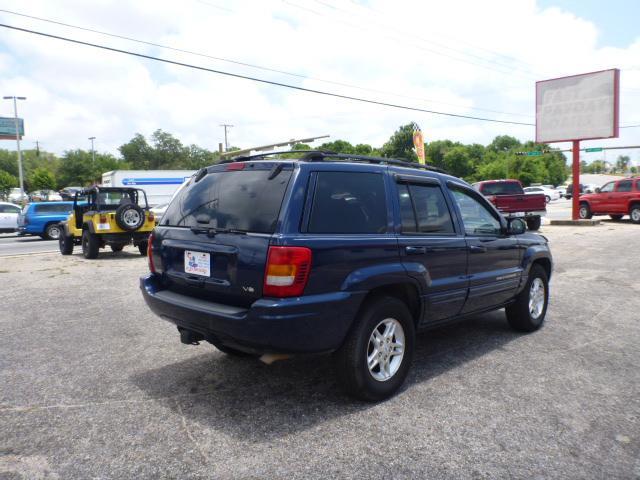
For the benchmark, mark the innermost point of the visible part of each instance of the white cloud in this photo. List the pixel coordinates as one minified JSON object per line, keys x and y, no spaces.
{"x":458,"y":55}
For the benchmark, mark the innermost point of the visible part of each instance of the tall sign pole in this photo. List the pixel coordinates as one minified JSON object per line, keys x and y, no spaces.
{"x":575,"y":198}
{"x":17,"y":124}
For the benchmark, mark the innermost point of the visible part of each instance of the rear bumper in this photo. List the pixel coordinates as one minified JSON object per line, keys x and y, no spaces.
{"x":307,"y":324}
{"x":30,"y":230}
{"x":535,"y":213}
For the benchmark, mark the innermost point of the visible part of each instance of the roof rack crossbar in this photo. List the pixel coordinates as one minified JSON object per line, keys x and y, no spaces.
{"x":322,"y":156}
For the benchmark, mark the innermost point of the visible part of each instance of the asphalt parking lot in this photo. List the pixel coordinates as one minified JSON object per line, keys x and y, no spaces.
{"x":95,"y":386}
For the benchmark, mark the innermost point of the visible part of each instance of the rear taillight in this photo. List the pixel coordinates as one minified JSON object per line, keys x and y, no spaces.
{"x":152,"y":267}
{"x":287,"y":271}
{"x":151,"y":217}
{"x":492,"y":198}
{"x":103,"y":219}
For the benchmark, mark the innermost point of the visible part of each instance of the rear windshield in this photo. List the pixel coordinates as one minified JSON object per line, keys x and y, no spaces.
{"x":53,"y":208}
{"x":501,"y":188}
{"x":247,"y":200}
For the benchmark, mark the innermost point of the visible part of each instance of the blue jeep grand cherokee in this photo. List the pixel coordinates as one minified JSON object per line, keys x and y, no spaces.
{"x":338,"y":253}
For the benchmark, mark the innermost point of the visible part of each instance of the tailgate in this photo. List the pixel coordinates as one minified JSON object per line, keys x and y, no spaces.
{"x":228,"y":268}
{"x":519,"y":203}
{"x":215,"y":235}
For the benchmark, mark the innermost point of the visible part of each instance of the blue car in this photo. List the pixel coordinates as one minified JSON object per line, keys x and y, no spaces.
{"x":43,"y":219}
{"x":338,"y":253}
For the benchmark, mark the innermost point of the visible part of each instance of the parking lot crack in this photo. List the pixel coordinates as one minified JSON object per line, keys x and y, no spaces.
{"x":187,"y":430}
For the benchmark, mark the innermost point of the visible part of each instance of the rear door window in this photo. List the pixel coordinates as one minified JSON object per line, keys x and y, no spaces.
{"x":348,"y":202}
{"x":247,"y":200}
{"x":53,"y":208}
{"x":624,"y":186}
{"x":9,"y":209}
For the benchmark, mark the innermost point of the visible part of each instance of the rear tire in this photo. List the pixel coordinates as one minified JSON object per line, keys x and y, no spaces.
{"x":533,"y":223}
{"x":584,"y":211}
{"x":116,"y":248}
{"x":142,"y":248}
{"x":634,"y":213}
{"x":52,"y":231}
{"x":527,"y":313}
{"x":90,"y":245}
{"x":616,"y":217}
{"x":547,"y":199}
{"x":66,"y":244}
{"x":383,"y":332}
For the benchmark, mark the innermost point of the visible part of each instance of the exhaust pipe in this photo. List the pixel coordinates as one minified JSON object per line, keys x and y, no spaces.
{"x":269,"y":358}
{"x":190,"y":338}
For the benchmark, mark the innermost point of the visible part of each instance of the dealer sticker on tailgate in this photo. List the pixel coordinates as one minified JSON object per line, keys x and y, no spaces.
{"x":197,"y":263}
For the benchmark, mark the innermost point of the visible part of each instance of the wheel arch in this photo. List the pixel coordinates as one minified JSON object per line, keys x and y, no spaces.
{"x":407,"y":292}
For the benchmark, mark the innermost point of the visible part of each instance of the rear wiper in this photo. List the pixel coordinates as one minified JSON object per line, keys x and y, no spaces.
{"x":211,"y":231}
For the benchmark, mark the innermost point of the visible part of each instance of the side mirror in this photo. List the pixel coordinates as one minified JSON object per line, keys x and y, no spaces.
{"x":516,"y":226}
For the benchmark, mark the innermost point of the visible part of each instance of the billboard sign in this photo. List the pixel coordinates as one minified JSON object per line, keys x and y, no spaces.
{"x":579,"y":107}
{"x":8,"y":128}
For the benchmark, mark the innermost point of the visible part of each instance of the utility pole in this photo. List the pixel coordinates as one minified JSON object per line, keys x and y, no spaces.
{"x":226,"y":143}
{"x":93,"y":152}
{"x":15,"y":115}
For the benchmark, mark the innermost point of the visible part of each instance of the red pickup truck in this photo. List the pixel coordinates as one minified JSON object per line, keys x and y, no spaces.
{"x":509,"y":197}
{"x":616,"y":199}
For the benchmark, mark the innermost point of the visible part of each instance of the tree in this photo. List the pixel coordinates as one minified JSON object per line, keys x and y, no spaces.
{"x":42,"y":179}
{"x":622,"y":163}
{"x":400,"y":145}
{"x":504,"y":143}
{"x":7,"y":182}
{"x":458,"y":162}
{"x":337,"y":146}
{"x":137,"y":152}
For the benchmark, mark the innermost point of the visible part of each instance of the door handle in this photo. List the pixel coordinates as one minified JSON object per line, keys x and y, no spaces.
{"x":477,"y":249}
{"x":415,"y":250}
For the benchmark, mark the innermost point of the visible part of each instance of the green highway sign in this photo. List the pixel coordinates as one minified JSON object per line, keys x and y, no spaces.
{"x":8,"y":127}
{"x":534,"y":154}
{"x":593,"y":149}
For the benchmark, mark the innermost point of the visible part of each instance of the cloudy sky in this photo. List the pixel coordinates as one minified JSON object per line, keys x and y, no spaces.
{"x":465,"y":57}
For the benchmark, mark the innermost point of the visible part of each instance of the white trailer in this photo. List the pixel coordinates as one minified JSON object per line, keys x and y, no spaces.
{"x":159,"y":185}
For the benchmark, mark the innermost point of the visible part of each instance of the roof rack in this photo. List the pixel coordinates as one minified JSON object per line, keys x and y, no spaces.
{"x":324,"y":156}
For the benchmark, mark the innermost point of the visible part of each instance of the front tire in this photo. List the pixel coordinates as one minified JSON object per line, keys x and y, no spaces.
{"x":533,"y":223}
{"x":547,"y":199}
{"x":90,"y":245}
{"x":376,"y":356}
{"x":142,"y":248}
{"x":527,"y":313}
{"x":66,"y":244}
{"x":585,"y":211}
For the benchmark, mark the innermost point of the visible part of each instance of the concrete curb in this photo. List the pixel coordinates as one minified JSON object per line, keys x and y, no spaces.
{"x":576,"y":223}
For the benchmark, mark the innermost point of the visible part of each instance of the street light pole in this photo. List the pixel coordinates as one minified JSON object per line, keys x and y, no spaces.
{"x":17,"y":124}
{"x":93,"y":152}
{"x":226,"y":143}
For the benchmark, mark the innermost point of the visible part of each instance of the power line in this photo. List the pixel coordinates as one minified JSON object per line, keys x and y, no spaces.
{"x":422,"y":39}
{"x":356,"y":25}
{"x":261,"y":80}
{"x":270,"y":82}
{"x":244,"y":64}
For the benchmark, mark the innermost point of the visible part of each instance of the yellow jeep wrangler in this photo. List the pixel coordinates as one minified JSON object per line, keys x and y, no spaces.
{"x":107,"y":216}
